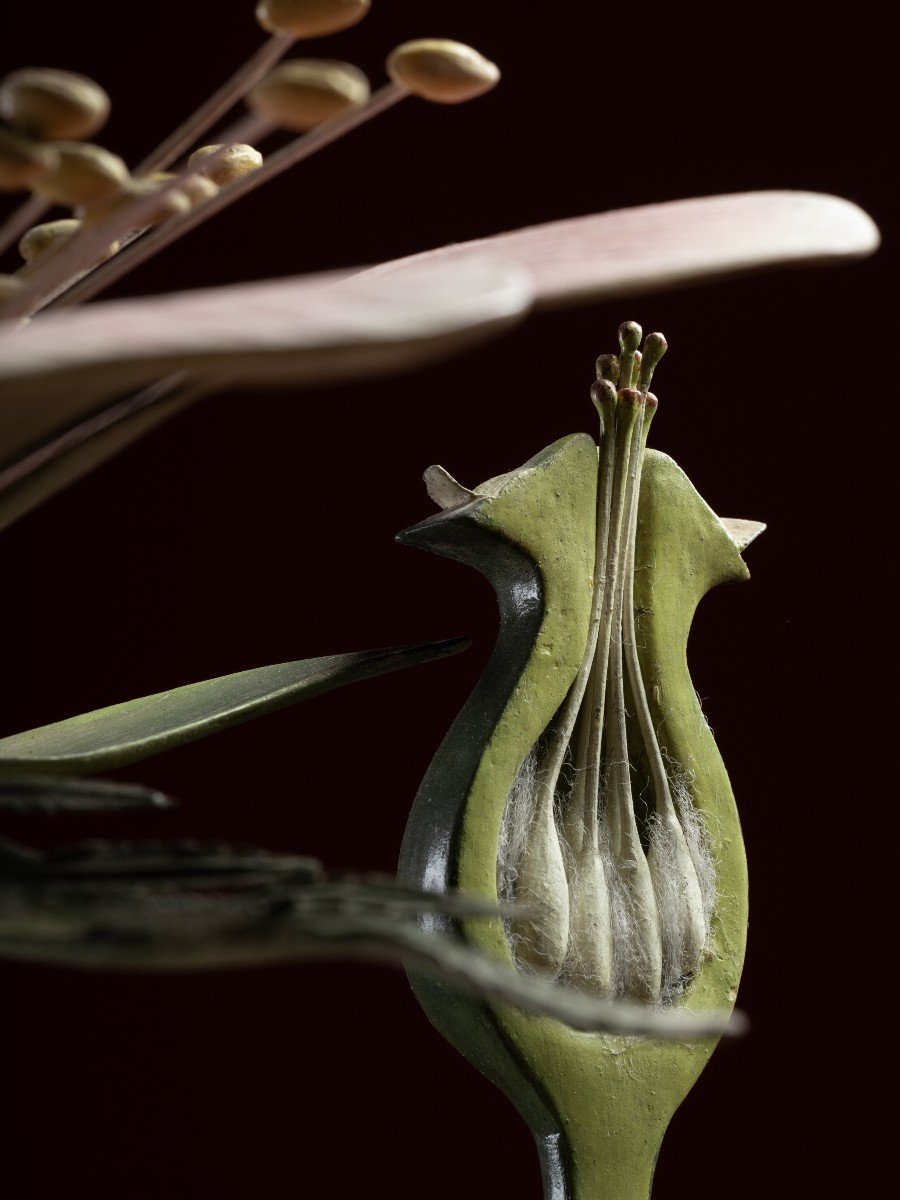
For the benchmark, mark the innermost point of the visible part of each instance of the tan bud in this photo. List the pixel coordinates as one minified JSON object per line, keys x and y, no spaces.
{"x":23,"y":162}
{"x":84,"y":175}
{"x":198,"y":189}
{"x":191,"y":191}
{"x":171,"y":203}
{"x":310,"y":18}
{"x":9,"y":287}
{"x":36,"y":241}
{"x":234,"y":163}
{"x":442,"y":71}
{"x":55,"y":105}
{"x":303,"y":93}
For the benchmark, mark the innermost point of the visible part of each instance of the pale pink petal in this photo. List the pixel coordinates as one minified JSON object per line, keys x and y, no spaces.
{"x":64,"y":366}
{"x":657,"y":246}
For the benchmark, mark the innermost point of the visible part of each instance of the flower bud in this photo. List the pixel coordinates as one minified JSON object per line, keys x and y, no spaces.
{"x":198,"y":189}
{"x":301,"y":94}
{"x":84,"y":175}
{"x":54,"y":105}
{"x":171,"y":203}
{"x":442,"y":71}
{"x":23,"y":163}
{"x":36,"y":241}
{"x":630,"y":334}
{"x":231,"y":164}
{"x":310,"y":18}
{"x":655,"y":346}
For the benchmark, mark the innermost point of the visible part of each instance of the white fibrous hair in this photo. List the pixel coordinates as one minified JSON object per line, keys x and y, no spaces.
{"x":517,"y":825}
{"x":517,"y":820}
{"x":606,"y":951}
{"x":696,"y":834}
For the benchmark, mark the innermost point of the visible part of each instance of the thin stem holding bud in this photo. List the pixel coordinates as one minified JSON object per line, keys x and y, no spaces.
{"x":21,"y":219}
{"x":643,"y":966}
{"x":590,"y":747}
{"x":216,"y":105}
{"x":276,"y":164}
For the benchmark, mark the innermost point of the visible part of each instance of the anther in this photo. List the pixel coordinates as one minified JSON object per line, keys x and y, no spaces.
{"x":309,"y":18}
{"x":630,"y":334}
{"x":85,"y":174}
{"x":23,"y":162}
{"x":38,"y":240}
{"x":608,"y":367}
{"x":630,"y":398}
{"x":301,"y":94}
{"x":655,"y":346}
{"x":603,"y":395}
{"x":53,"y":105}
{"x":442,"y":71}
{"x":228,"y":163}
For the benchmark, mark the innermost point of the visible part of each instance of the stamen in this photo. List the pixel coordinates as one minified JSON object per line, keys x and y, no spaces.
{"x":672,"y":871}
{"x":277,"y":163}
{"x":41,"y":239}
{"x":643,"y":978}
{"x":442,"y":71}
{"x":23,"y":162}
{"x":52,"y":105}
{"x":225,"y":164}
{"x":48,"y":105}
{"x":603,"y":395}
{"x":608,"y":367}
{"x":28,"y":213}
{"x":465,"y":73}
{"x":211,"y":110}
{"x":85,"y":174}
{"x":630,"y":334}
{"x":303,"y":93}
{"x":638,"y":922}
{"x":590,"y":744}
{"x":310,"y":18}
{"x":655,"y":346}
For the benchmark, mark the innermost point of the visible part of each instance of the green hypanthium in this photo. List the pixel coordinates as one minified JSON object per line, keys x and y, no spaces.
{"x":582,"y":782}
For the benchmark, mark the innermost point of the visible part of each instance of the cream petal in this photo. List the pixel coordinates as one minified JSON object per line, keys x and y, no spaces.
{"x":63,"y":367}
{"x":635,"y":250}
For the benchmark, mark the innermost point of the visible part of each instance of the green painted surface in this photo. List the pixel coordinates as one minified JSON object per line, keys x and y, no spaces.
{"x":136,"y":729}
{"x":609,"y":1098}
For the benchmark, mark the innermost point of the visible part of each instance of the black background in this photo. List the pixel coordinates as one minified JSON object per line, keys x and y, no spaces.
{"x":258,"y":528}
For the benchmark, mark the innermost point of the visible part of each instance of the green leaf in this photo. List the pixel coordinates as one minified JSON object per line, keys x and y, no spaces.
{"x":126,"y":733}
{"x":37,"y":794}
{"x":146,"y":929}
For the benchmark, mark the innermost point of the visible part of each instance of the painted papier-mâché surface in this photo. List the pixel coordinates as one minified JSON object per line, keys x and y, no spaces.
{"x":598,"y":1104}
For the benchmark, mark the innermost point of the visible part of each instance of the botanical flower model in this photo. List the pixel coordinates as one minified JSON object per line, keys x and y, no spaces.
{"x":575,"y":835}
{"x":582,"y":784}
{"x":95,"y":364}
{"x":77,"y":384}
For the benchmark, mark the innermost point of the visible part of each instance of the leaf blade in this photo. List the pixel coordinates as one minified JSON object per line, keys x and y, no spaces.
{"x":38,"y":794}
{"x":128,"y":732}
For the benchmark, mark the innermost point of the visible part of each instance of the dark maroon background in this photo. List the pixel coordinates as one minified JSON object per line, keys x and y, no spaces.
{"x":258,"y":528}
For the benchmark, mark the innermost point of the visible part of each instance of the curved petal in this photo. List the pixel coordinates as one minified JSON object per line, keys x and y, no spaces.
{"x":308,"y":330}
{"x":657,"y":246}
{"x":57,"y":377}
